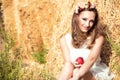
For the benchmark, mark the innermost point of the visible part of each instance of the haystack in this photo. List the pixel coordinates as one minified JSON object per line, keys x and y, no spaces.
{"x":33,"y":23}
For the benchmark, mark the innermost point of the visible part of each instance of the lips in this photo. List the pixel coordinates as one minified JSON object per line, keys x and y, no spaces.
{"x":86,"y":28}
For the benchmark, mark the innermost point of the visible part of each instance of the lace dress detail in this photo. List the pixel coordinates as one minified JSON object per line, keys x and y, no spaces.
{"x":99,"y":70}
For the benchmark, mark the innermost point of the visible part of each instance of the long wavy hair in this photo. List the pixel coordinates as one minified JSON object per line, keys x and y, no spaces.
{"x":79,"y":37}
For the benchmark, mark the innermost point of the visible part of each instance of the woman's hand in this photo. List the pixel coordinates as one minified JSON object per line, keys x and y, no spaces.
{"x":77,"y":65}
{"x":79,"y":62}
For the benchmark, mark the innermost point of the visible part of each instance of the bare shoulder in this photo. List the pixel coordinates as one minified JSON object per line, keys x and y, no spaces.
{"x":100,"y":39}
{"x":96,"y":50}
{"x":65,"y":37}
{"x":62,"y":39}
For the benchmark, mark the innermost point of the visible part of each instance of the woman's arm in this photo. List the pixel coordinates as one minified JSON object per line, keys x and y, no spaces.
{"x":67,"y":70}
{"x":95,"y":52}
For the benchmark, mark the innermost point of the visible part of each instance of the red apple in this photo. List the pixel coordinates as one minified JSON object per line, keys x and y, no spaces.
{"x":80,"y":60}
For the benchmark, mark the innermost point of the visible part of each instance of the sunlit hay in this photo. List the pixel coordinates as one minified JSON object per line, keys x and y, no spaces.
{"x":45,"y":21}
{"x":108,"y":11}
{"x":23,"y":23}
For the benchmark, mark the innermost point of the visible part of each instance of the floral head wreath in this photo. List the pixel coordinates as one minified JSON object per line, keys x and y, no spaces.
{"x":82,"y":6}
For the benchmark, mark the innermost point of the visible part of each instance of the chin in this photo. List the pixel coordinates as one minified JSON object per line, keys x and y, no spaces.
{"x":85,"y":31}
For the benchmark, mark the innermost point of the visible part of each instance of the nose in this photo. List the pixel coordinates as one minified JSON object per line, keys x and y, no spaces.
{"x":87,"y":24}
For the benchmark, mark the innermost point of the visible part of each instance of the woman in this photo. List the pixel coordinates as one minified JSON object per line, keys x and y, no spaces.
{"x":85,"y":42}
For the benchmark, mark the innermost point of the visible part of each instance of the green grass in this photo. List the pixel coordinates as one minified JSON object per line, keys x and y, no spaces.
{"x":10,"y":64}
{"x":40,"y":55}
{"x":115,"y":46}
{"x":118,"y":68}
{"x":46,"y":75}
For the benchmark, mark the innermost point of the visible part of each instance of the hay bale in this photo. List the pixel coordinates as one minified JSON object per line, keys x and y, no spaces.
{"x":37,"y":22}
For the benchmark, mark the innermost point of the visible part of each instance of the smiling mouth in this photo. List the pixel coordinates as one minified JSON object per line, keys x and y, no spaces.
{"x":86,"y":28}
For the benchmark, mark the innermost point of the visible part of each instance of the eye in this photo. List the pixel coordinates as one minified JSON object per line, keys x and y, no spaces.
{"x":84,"y":19}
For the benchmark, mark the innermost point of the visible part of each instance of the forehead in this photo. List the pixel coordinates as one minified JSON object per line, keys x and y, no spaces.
{"x":87,"y":14}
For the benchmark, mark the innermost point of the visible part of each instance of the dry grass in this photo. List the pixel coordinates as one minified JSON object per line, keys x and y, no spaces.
{"x":37,"y":22}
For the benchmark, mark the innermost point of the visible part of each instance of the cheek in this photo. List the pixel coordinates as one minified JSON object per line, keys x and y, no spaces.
{"x":81,"y":22}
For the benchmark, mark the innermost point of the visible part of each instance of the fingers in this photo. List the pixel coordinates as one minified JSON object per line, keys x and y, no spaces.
{"x":77,"y":65}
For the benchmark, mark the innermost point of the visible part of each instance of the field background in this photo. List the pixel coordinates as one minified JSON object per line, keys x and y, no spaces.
{"x":34,"y":23}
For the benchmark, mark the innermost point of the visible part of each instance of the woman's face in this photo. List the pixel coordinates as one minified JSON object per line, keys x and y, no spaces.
{"x":86,"y":20}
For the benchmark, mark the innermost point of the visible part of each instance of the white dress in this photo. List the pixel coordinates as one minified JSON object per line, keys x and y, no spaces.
{"x":99,"y":70}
